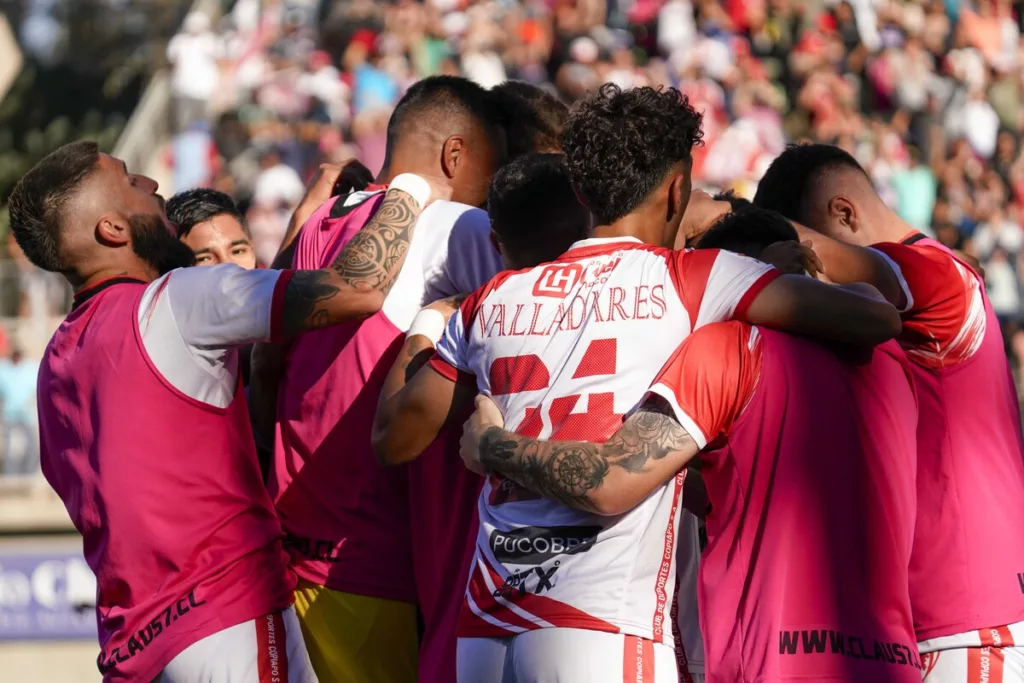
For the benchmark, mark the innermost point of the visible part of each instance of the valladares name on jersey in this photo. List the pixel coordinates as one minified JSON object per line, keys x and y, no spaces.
{"x":545,"y":344}
{"x":606,"y":305}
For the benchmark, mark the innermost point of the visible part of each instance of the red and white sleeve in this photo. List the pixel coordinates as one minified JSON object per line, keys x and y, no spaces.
{"x":944,"y":322}
{"x":717,"y":285}
{"x":710,"y":378}
{"x":451,"y":359}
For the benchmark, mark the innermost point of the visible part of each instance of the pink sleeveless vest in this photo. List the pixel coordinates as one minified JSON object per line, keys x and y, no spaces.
{"x":967,"y":570}
{"x":346,"y":517}
{"x":805,"y":572}
{"x":165,"y":490}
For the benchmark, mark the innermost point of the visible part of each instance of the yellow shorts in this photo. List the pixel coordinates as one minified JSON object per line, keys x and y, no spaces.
{"x":357,"y":639}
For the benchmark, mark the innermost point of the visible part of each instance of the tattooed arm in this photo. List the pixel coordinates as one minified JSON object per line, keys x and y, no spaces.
{"x":604,"y":479}
{"x":355,"y":285}
{"x":416,"y":402}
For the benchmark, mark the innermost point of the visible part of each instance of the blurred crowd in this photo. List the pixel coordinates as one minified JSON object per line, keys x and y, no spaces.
{"x":925,"y":93}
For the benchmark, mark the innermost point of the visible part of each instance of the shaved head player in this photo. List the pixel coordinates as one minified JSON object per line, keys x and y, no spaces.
{"x":144,"y":431}
{"x":966,"y":580}
{"x":348,"y":521}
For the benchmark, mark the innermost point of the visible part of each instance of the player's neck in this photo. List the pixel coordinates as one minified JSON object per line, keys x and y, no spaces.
{"x":890,"y":228}
{"x":639,"y":224}
{"x":406,"y":160}
{"x":137,"y":271}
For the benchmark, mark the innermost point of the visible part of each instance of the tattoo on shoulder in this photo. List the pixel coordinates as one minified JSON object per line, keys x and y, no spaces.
{"x":306,"y":289}
{"x":371,"y":258}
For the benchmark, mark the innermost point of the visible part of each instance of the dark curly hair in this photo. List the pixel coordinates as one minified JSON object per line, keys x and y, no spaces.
{"x":619,"y":145}
{"x":786,"y":182}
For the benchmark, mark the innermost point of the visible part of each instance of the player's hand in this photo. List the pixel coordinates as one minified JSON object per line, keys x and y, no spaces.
{"x":971,"y":261}
{"x":483,"y":418}
{"x":448,"y":306}
{"x":332,"y":180}
{"x":702,"y":212}
{"x":794,"y":258}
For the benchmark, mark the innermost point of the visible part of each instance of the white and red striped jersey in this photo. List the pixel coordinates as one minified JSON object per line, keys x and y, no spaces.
{"x":566,"y":349}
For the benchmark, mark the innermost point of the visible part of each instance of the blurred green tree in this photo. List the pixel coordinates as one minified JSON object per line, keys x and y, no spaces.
{"x":87,"y":87}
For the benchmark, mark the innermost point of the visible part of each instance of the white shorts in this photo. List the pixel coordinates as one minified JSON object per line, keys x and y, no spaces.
{"x":565,"y":655}
{"x":974,"y":665}
{"x":265,"y":650}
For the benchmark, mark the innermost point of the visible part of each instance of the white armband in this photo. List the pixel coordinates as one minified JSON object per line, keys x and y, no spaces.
{"x":414,"y":185}
{"x":429,"y":323}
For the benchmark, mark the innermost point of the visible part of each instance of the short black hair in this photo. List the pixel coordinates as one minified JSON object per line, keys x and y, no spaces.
{"x":534,"y":210}
{"x":735,"y":201}
{"x":749,"y":231}
{"x":38,"y":203}
{"x":443,"y":97}
{"x":538,"y":118}
{"x":190,"y":208}
{"x":788,"y":179}
{"x":620,"y":145}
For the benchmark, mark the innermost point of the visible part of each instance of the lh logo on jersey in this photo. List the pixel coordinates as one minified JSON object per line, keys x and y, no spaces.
{"x":558,"y":280}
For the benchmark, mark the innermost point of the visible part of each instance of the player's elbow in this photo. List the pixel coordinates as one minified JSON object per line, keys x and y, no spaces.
{"x":383,"y":447}
{"x":885,"y":323}
{"x":612,"y":504}
{"x":368,"y":303}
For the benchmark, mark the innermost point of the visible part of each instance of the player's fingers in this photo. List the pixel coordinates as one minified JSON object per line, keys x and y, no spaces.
{"x":810,"y":261}
{"x":809,"y":249}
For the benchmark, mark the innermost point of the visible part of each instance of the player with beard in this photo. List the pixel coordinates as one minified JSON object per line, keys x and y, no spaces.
{"x":809,"y":459}
{"x":144,"y":430}
{"x":966,"y":583}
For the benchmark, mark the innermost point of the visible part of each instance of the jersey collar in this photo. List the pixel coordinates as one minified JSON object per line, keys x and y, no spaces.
{"x":83,"y":295}
{"x":595,"y":246}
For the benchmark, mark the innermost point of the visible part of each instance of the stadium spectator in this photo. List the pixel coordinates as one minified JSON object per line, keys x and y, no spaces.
{"x":17,"y":393}
{"x":879,"y":79}
{"x":194,"y":77}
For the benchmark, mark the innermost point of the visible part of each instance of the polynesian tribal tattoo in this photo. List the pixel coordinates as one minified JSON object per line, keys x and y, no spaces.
{"x":370,"y":261}
{"x":371,"y":258}
{"x":568,"y":472}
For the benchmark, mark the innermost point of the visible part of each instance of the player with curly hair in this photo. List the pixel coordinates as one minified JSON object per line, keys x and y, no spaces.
{"x":555,"y":592}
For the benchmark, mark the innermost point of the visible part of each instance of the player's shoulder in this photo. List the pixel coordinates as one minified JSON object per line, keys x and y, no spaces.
{"x":724,"y":337}
{"x":454,"y":217}
{"x":919,"y":254}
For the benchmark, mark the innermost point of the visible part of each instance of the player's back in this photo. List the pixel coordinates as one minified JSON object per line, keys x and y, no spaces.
{"x":805,"y":575}
{"x":969,"y":552}
{"x":566,"y":349}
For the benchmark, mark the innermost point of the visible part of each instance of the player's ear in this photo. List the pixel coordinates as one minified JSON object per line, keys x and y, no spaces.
{"x":453,"y":153}
{"x":678,"y":198}
{"x":113,"y":230}
{"x":843,"y":211}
